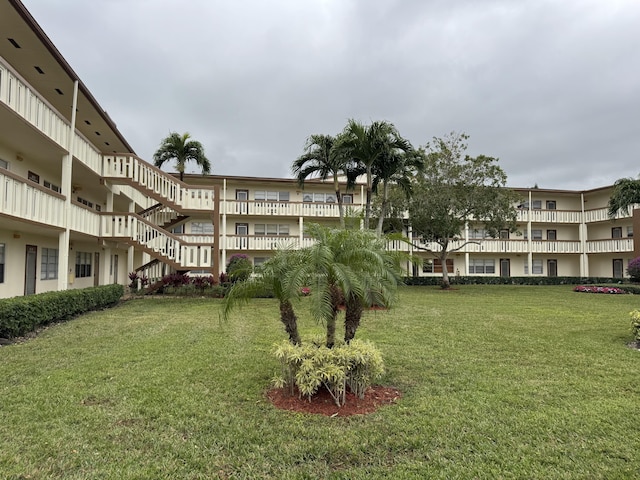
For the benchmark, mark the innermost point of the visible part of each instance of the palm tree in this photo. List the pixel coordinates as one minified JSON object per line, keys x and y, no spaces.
{"x":322,"y":160}
{"x":396,"y":168}
{"x":365,"y":145}
{"x":350,"y":266}
{"x":273,"y":276}
{"x":179,"y":148}
{"x":626,"y":193}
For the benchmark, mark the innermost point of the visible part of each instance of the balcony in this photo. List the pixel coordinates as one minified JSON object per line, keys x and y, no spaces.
{"x":549,"y":216}
{"x":285,"y":209}
{"x":614,"y":245}
{"x":602,"y":214}
{"x":25,"y":200}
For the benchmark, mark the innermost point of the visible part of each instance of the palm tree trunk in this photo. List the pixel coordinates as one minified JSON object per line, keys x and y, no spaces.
{"x":367,"y":209}
{"x":383,"y":208}
{"x":336,"y":299}
{"x":336,"y":186}
{"x":290,"y":321}
{"x":352,"y":317}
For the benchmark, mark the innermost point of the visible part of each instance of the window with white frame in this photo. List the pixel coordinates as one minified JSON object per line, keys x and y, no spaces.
{"x":536,"y":267}
{"x":202,"y":228}
{"x":347,"y":198}
{"x":536,"y":204}
{"x":551,"y":204}
{"x":4,"y":164}
{"x":536,"y":234}
{"x":270,"y":229}
{"x":616,"y":232}
{"x":257,"y":261}
{"x":49,"y":264}
{"x":84,"y":201}
{"x":270,"y":196}
{"x":321,"y":198}
{"x":484,"y":266}
{"x":51,"y":186}
{"x":478,"y":233}
{"x":2,"y":247}
{"x":83,"y":264}
{"x":630,"y":231}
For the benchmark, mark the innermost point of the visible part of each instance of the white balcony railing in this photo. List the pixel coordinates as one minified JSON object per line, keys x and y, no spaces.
{"x":26,"y":201}
{"x":549,"y":216}
{"x":602,"y":214}
{"x":25,"y":102}
{"x":161,"y":185}
{"x":283,"y":209}
{"x":162,"y":245}
{"x":614,"y":245}
{"x":85,"y":220}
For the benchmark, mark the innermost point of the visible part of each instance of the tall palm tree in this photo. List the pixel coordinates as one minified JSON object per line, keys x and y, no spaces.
{"x":346,"y":265}
{"x":273,"y":276}
{"x":626,"y":192}
{"x":179,"y":148}
{"x":395,"y":168}
{"x":365,"y":145}
{"x":322,"y":160}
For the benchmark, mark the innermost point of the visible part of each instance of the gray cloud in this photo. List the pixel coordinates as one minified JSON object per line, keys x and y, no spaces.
{"x":551,"y":88}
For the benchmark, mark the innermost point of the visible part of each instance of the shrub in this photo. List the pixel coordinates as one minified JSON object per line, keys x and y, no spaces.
{"x":21,"y":315}
{"x":136,"y":281}
{"x":635,"y":324}
{"x":239,"y":268}
{"x":175,"y":280}
{"x":312,"y":365}
{"x":633,"y":269}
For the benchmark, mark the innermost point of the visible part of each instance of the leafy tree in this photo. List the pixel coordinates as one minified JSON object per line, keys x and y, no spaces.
{"x":626,"y":193}
{"x":454,"y":189}
{"x":179,"y":148}
{"x":367,"y":145}
{"x":396,"y":168}
{"x":324,"y":161}
{"x":350,"y":266}
{"x":273,"y":276}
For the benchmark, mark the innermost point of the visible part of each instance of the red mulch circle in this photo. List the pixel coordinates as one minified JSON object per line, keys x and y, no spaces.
{"x":322,"y":403}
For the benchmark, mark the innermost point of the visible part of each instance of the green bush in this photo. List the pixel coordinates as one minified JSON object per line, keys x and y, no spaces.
{"x":312,"y":365}
{"x":239,"y":268}
{"x":635,"y":324}
{"x":21,"y":315}
{"x":493,"y":280}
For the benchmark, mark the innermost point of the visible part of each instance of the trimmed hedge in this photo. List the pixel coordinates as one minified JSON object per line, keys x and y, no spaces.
{"x":20,"y":315}
{"x":484,"y":280}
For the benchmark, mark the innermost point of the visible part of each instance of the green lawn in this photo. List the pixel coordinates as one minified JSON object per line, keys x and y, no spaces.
{"x":497,"y":381}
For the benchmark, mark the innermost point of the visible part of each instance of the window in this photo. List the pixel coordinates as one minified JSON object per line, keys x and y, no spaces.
{"x":551,"y":204}
{"x":4,"y":164}
{"x":83,"y":264}
{"x":482,"y":266}
{"x":535,"y":234}
{"x":49,"y":264}
{"x":51,"y":186}
{"x":536,"y":266}
{"x":616,"y":232}
{"x":262,"y":195}
{"x":34,"y":177}
{"x":478,"y":233}
{"x":257,"y":261}
{"x":552,"y":235}
{"x":85,"y":202}
{"x":435,"y":266}
{"x":630,"y":231}
{"x":504,"y":234}
{"x":537,"y":204}
{"x":2,"y":247}
{"x":321,"y":198}
{"x":202,"y":228}
{"x":271,"y":229}
{"x":347,"y":198}
{"x":178,"y":229}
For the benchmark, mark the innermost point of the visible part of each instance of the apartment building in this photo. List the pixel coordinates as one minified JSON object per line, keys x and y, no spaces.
{"x":78,"y":207}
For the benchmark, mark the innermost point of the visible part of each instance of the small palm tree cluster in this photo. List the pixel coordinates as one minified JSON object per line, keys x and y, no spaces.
{"x":376,"y":151}
{"x":342,"y":267}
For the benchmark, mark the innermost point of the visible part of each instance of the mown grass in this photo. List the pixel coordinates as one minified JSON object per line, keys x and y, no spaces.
{"x":497,"y":381}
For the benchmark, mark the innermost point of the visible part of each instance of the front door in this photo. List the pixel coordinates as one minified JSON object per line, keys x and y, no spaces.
{"x":242,"y":197}
{"x":618,"y":268}
{"x":552,"y":268}
{"x":30,"y":270}
{"x":505,"y":267}
{"x":242,"y":232}
{"x":115,"y":269}
{"x":96,"y":272}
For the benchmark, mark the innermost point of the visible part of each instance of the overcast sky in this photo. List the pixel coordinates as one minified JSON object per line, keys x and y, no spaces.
{"x":550,"y":87}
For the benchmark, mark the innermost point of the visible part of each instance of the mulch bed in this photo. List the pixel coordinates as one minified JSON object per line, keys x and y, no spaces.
{"x":322,"y":403}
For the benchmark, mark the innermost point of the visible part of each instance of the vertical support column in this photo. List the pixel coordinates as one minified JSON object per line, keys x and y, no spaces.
{"x":582,"y":232}
{"x":216,"y":233}
{"x":64,"y":271}
{"x":132,"y":234}
{"x":529,"y":242}
{"x":301,"y":232}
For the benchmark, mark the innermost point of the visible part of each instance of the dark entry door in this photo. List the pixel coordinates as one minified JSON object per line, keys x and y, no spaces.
{"x":505,"y":267}
{"x":552,"y":268}
{"x":31,"y":260}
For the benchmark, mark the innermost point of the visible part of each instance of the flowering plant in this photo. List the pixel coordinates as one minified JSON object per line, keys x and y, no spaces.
{"x":306,"y":291}
{"x":597,"y":289}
